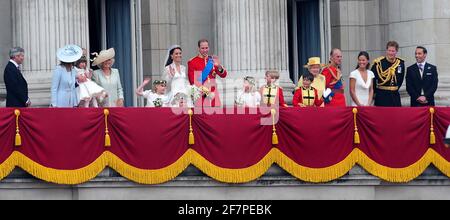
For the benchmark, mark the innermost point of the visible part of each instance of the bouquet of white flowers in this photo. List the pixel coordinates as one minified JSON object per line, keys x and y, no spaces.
{"x":158,"y":103}
{"x":239,"y":102}
{"x":198,"y":92}
{"x":195,"y":93}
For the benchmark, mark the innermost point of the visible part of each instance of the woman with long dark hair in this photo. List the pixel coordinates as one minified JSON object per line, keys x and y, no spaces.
{"x":176,"y":77}
{"x":361,"y":82}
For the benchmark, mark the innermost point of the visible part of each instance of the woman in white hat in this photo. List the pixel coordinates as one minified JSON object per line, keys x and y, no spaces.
{"x":108,"y":78}
{"x":64,"y":92}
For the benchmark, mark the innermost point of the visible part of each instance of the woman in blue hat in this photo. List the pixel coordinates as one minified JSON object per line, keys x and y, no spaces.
{"x":64,"y":83}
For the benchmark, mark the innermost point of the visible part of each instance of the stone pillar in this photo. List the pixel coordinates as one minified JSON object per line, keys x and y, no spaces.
{"x":169,"y":22}
{"x":5,"y":43}
{"x":159,"y":28}
{"x":41,"y":27}
{"x":251,"y":37}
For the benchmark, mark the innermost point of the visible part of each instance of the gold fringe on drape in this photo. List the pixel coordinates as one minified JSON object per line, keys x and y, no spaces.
{"x":316,"y":175}
{"x":396,"y":175}
{"x":149,"y":177}
{"x":226,"y":175}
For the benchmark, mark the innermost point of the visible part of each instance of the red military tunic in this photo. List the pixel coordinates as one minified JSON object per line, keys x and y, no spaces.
{"x":307,"y":98}
{"x":334,"y":82}
{"x":195,"y":68}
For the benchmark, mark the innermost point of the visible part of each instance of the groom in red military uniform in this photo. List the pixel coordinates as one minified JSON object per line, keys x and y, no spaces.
{"x":203,"y":70}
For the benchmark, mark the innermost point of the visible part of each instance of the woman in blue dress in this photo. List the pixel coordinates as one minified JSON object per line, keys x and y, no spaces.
{"x":64,"y":83}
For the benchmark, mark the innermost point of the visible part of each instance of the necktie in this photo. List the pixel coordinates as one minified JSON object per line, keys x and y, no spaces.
{"x":421,"y":74}
{"x":421,"y":70}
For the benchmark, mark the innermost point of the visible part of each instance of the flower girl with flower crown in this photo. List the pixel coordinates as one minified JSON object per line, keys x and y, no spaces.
{"x":249,"y":97}
{"x":156,"y":98}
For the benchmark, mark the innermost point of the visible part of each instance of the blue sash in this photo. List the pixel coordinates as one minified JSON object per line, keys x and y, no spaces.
{"x":208,"y":68}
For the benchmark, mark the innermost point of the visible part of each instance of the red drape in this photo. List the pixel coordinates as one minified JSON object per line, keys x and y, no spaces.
{"x":316,"y":137}
{"x":152,"y":145}
{"x":148,"y":138}
{"x":7,"y":133}
{"x":232,"y":141}
{"x":394,"y":137}
{"x":62,"y":139}
{"x":442,"y":122}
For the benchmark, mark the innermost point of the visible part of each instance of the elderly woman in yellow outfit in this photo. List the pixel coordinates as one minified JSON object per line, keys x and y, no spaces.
{"x":315,"y":66}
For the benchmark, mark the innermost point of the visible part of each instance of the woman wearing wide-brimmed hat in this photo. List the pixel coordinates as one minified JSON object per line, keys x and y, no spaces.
{"x":64,"y":92}
{"x":108,"y":78}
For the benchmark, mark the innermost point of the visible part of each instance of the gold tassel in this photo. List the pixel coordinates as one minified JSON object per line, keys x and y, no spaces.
{"x":357,"y":138}
{"x":107,"y":136}
{"x":191,"y":130}
{"x":275,"y":139}
{"x":107,"y":140}
{"x":432,"y":138}
{"x":432,"y":134}
{"x":274,"y":135}
{"x":18,"y":141}
{"x":191,"y":138}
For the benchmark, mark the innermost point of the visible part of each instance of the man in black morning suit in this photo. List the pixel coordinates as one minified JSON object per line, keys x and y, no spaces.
{"x":422,"y":80}
{"x":16,"y":85}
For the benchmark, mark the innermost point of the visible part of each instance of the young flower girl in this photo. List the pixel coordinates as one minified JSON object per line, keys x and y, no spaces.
{"x":89,"y":92}
{"x":156,"y":98}
{"x":249,"y":97}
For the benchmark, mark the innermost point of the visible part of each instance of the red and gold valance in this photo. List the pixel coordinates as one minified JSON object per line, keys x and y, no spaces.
{"x":152,"y":146}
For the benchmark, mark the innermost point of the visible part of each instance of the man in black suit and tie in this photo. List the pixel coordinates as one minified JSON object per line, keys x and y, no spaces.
{"x":16,"y":85}
{"x":422,"y":80}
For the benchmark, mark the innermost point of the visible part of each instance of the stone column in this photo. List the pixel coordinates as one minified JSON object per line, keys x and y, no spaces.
{"x":159,"y":28}
{"x":251,"y":37}
{"x":169,"y":22}
{"x":5,"y":43}
{"x":41,"y":27}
